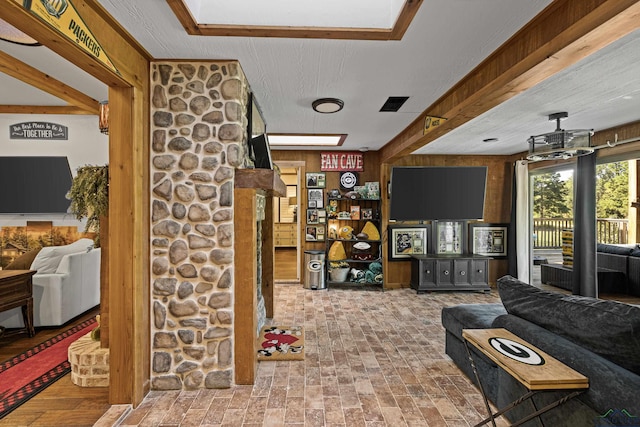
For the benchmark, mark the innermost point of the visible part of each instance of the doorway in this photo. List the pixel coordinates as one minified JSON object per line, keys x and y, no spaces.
{"x":286,"y":218}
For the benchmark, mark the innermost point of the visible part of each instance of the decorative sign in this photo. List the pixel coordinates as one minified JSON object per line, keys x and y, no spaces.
{"x":38,"y":130}
{"x":62,"y":16}
{"x":431,"y":122}
{"x":337,"y":161}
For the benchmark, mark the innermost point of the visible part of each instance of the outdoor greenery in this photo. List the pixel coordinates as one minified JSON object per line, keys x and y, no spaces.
{"x":553,"y":196}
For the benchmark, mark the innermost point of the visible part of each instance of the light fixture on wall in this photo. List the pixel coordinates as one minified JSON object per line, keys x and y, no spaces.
{"x":103,"y":119}
{"x":327,"y":105}
{"x":11,"y":34}
{"x":560,"y":144}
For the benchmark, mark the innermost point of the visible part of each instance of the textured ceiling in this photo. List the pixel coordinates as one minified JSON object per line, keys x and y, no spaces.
{"x":446,"y":40}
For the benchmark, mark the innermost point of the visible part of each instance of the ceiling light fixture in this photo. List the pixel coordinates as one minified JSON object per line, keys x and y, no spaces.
{"x":560,"y":144}
{"x":11,"y":34}
{"x":327,"y":105}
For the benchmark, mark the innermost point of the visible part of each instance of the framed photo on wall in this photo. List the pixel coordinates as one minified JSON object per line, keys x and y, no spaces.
{"x":316,"y":180}
{"x":449,"y":237}
{"x":488,"y":239}
{"x":315,"y":198}
{"x":407,"y":240}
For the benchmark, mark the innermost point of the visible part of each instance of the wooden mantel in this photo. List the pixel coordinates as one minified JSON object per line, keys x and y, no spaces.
{"x":248,"y":184}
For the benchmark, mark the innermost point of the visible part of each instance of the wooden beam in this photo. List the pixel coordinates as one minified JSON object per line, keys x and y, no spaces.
{"x":561,"y":35}
{"x":44,"y":109}
{"x":33,"y":77}
{"x":396,"y":32}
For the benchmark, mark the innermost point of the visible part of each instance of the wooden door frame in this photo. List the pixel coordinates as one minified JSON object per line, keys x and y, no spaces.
{"x":128,"y":277}
{"x":299,"y":166}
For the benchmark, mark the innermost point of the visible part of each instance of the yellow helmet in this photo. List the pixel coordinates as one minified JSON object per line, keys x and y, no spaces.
{"x":345,"y":232}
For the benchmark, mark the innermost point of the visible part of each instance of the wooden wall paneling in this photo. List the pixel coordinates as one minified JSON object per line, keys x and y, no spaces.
{"x":245,"y":285}
{"x":268,"y":257}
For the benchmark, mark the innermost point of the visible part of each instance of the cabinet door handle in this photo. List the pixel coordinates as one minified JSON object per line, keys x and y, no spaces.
{"x":446,"y":272}
{"x":462,"y":273}
{"x":428,"y":271}
{"x":479,"y":271}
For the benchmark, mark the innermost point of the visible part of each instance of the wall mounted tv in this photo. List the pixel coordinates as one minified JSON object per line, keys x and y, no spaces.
{"x":34,"y":185}
{"x":431,"y":193}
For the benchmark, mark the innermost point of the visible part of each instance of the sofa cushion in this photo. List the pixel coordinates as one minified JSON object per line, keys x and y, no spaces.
{"x":49,"y":257}
{"x":470,"y":316}
{"x":24,"y":261}
{"x":615,"y":249}
{"x":608,"y":328}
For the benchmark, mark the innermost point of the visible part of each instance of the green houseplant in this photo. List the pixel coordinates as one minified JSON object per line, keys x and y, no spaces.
{"x":89,"y":195}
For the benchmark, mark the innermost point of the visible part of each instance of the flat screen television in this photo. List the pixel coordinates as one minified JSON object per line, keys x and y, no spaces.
{"x":434,"y":193}
{"x":34,"y":185}
{"x":261,"y":152}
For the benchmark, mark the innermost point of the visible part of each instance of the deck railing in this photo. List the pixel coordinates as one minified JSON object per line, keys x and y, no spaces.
{"x":547,"y":232}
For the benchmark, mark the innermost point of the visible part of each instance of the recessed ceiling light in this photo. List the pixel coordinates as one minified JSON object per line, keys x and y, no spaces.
{"x":296,"y":140}
{"x":327,"y":105}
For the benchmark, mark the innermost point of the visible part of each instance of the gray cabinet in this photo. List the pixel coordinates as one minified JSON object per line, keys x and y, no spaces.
{"x":449,"y":272}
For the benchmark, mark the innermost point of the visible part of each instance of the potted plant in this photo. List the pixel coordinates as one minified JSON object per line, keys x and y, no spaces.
{"x":89,"y":195}
{"x":338,"y":271}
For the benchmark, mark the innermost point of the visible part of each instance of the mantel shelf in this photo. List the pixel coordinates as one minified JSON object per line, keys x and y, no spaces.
{"x":264,"y":179}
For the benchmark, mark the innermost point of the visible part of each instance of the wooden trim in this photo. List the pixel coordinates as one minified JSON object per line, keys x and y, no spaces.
{"x":33,"y":77}
{"x":398,"y":30}
{"x":561,"y":35}
{"x":45,"y":109}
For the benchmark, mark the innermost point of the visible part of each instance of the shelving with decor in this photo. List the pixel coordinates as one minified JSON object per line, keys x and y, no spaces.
{"x":354,"y":243}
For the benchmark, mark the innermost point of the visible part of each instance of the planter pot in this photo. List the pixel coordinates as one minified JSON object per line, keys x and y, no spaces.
{"x":339,"y":274}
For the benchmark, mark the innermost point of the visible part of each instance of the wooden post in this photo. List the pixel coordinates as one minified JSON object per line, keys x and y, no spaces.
{"x":104,"y":281}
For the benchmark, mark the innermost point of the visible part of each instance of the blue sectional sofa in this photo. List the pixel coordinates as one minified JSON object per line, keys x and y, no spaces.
{"x":598,"y":338}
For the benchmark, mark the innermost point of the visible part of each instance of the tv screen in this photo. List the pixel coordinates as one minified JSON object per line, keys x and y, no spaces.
{"x":33,"y":185}
{"x":432,"y":193}
{"x":261,"y":152}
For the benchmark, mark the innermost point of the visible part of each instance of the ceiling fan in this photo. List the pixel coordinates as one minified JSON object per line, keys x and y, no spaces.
{"x":560,"y":144}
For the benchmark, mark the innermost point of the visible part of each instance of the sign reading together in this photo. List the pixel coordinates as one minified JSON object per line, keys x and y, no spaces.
{"x":338,"y":161}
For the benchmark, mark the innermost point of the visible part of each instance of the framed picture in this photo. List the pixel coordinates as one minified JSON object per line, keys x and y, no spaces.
{"x":488,"y":239}
{"x":320,"y":233}
{"x":310,"y":234}
{"x":449,"y":237}
{"x":322,"y":216}
{"x":315,"y":198}
{"x":407,"y":240}
{"x":312,"y":216}
{"x":316,"y":180}
{"x":367,"y":213}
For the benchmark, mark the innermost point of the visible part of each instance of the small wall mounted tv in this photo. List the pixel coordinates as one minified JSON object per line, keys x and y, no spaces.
{"x":434,"y":193}
{"x":261,"y":152}
{"x":34,"y":185}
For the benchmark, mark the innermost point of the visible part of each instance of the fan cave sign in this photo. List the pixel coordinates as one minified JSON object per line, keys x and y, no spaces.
{"x":38,"y":130}
{"x":338,"y":161}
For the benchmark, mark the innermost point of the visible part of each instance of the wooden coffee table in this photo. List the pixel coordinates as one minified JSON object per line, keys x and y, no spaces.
{"x":16,"y":290}
{"x":533,"y":368}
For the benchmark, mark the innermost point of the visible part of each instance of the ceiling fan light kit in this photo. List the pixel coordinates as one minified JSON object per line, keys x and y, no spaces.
{"x":560,"y":144}
{"x":327,"y":105}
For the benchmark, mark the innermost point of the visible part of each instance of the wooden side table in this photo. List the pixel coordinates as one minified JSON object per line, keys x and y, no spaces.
{"x":16,"y":290}
{"x":533,"y":368}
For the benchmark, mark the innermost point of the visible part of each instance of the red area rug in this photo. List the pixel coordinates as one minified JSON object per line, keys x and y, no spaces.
{"x":27,"y":374}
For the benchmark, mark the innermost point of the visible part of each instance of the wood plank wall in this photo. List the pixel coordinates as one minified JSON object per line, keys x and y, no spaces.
{"x":397,"y":274}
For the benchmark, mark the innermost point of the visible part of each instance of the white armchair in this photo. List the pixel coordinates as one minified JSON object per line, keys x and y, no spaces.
{"x":60,"y":296}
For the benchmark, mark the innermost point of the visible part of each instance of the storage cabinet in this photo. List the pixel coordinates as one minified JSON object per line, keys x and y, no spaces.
{"x":285,"y":234}
{"x":449,"y":272}
{"x":365,"y":263}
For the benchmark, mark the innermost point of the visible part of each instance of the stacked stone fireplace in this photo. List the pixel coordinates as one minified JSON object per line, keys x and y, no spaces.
{"x":198,"y":140}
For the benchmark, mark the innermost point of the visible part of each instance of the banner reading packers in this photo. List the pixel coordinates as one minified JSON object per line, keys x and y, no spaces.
{"x":63,"y":16}
{"x":431,"y":122}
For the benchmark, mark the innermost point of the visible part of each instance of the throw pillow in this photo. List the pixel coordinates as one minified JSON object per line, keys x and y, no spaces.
{"x":24,"y":261}
{"x":47,"y":260}
{"x":608,"y":328}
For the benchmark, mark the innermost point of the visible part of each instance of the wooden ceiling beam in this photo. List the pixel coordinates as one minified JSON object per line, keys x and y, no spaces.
{"x":31,"y":76}
{"x":43,"y":109}
{"x":560,"y":36}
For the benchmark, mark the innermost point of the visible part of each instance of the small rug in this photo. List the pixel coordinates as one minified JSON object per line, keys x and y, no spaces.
{"x":281,"y":343}
{"x":27,"y":374}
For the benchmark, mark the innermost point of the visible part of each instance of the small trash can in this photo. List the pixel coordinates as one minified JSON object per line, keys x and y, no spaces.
{"x":314,"y":270}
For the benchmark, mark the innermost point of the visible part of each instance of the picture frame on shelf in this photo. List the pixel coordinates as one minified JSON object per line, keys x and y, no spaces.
{"x":315,"y":198}
{"x":407,"y":240}
{"x":312,"y":216}
{"x":316,"y":179}
{"x":449,"y":237}
{"x":488,"y":239}
{"x":366,"y":213}
{"x":354,"y":212}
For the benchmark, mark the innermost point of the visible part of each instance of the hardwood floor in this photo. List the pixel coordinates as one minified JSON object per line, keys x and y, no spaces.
{"x":62,"y":403}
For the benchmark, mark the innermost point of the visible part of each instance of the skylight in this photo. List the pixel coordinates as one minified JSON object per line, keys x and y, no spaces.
{"x":306,"y":140}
